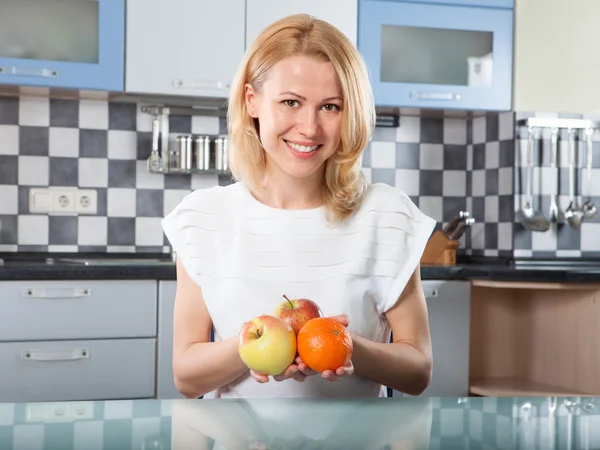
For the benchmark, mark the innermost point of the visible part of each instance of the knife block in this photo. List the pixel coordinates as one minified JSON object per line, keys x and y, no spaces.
{"x":439,"y":251}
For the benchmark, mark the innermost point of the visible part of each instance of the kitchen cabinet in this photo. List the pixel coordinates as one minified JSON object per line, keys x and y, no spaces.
{"x":448,"y":55}
{"x":343,"y":14}
{"x":557,"y":65}
{"x":57,"y":44}
{"x":165,"y":385}
{"x":449,"y":308}
{"x":534,"y":339}
{"x":188,"y":48}
{"x":77,"y":340}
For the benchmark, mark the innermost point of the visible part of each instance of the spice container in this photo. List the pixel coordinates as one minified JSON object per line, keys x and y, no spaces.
{"x":202,"y":152}
{"x":184,"y":147}
{"x":221,"y":154}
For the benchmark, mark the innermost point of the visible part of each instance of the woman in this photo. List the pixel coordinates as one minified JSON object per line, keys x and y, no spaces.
{"x":300,"y":221}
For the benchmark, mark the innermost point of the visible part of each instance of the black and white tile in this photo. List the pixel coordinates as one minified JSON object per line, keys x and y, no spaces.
{"x":561,"y":240}
{"x":490,"y":162}
{"x":445,"y":165}
{"x":93,"y":145}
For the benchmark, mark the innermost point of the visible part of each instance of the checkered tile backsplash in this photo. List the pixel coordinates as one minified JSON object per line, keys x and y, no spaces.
{"x":445,"y":165}
{"x":91,"y":144}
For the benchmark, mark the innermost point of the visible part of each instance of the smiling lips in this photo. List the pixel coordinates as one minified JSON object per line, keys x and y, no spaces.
{"x":303,"y":150}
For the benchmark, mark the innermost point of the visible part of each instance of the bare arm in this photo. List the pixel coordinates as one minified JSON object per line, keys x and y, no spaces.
{"x":199,"y":366}
{"x":404,"y":365}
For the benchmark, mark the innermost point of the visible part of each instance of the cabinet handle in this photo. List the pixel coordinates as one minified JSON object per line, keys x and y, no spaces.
{"x":430,"y":293}
{"x":55,"y":355}
{"x":28,"y":72}
{"x":449,"y":96}
{"x":200,"y":84}
{"x":57,"y":293}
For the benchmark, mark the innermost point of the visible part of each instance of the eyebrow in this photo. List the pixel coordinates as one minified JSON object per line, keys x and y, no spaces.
{"x":304,"y":98}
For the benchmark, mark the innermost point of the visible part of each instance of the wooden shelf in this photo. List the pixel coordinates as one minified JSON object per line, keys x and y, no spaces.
{"x":514,"y":387}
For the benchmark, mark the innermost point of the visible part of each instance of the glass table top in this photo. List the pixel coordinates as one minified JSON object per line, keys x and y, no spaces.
{"x":294,"y":424}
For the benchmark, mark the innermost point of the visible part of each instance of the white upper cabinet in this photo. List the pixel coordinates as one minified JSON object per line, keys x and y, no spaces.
{"x":184,"y":47}
{"x":341,"y":13}
{"x":557,"y":64}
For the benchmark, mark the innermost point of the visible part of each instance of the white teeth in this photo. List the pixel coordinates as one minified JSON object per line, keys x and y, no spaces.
{"x":302,"y":148}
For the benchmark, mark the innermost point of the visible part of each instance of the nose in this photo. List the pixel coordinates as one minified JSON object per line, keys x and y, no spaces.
{"x":308,"y":123}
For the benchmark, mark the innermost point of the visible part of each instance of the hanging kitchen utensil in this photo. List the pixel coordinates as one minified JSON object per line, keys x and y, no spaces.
{"x":589,"y":209}
{"x":555,"y":214}
{"x":573,"y":214}
{"x":532,"y":219}
{"x":154,"y":161}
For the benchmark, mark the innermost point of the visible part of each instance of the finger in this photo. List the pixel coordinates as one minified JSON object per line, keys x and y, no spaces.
{"x":287,"y":373}
{"x":305,"y":369}
{"x":342,"y":318}
{"x":345,"y":371}
{"x":299,"y":377}
{"x":259,"y":377}
{"x":329,"y":375}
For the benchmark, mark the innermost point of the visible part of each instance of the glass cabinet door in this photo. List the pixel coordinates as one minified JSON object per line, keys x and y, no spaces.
{"x":67,"y":43}
{"x":426,"y":55}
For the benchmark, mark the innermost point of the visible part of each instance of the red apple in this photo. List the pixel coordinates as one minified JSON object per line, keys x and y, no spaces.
{"x":297,"y":312}
{"x":267,"y":345}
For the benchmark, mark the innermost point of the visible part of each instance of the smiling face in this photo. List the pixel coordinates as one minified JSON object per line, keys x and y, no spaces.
{"x":299,"y":110}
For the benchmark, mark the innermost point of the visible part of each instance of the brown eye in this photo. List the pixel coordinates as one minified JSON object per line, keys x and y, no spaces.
{"x":331,"y":107}
{"x":291,"y":103}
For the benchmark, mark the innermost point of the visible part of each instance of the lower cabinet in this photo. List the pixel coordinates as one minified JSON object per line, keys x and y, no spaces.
{"x":449,"y":308}
{"x":165,"y":385}
{"x":77,"y":370}
{"x":78,"y":340}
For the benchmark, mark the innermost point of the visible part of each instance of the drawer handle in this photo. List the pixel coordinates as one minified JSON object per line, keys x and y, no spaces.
{"x":58,"y":293}
{"x":431,"y":293}
{"x":447,"y":96}
{"x":28,"y":72}
{"x":200,"y":84}
{"x":55,"y":355}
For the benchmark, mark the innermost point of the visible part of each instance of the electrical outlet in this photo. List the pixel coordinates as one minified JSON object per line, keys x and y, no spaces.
{"x":63,"y":201}
{"x":86,"y":201}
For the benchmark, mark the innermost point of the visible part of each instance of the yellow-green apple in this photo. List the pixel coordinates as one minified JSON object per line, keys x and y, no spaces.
{"x":267,"y":345}
{"x":297,"y":312}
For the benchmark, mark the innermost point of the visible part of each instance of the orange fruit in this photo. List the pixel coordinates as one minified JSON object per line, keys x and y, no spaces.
{"x":324,"y":344}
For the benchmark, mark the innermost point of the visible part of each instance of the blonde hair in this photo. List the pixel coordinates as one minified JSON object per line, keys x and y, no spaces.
{"x":302,"y":34}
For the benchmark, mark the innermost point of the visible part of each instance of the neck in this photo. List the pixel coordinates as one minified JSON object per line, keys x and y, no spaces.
{"x":282,"y":191}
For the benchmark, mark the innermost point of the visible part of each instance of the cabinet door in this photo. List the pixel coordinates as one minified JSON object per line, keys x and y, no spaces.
{"x":557,"y":66}
{"x":426,"y":55}
{"x":165,"y":386}
{"x":102,"y":369}
{"x":449,"y":308}
{"x":77,"y":44}
{"x":343,"y":14}
{"x":190,"y":48}
{"x":86,"y":309}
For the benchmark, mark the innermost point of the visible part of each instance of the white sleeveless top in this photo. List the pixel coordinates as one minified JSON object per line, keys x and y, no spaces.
{"x":246,"y":255}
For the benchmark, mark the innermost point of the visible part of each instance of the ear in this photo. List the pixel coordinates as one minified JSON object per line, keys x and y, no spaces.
{"x":250,"y":97}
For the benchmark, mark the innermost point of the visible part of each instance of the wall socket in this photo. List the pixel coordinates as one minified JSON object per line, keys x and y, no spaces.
{"x":63,"y":201}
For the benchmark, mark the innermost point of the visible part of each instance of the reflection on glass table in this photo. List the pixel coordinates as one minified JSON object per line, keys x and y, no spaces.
{"x":294,"y":424}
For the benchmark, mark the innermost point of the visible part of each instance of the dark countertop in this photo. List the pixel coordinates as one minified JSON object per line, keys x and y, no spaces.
{"x":349,"y":424}
{"x":22,"y":266}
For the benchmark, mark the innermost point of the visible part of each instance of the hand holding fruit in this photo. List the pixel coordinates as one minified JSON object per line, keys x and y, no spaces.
{"x":325,"y":346}
{"x":296,"y":342}
{"x":267,"y":346}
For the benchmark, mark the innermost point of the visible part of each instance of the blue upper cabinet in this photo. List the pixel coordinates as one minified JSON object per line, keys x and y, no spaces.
{"x":76,"y":44}
{"x":448,"y":54}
